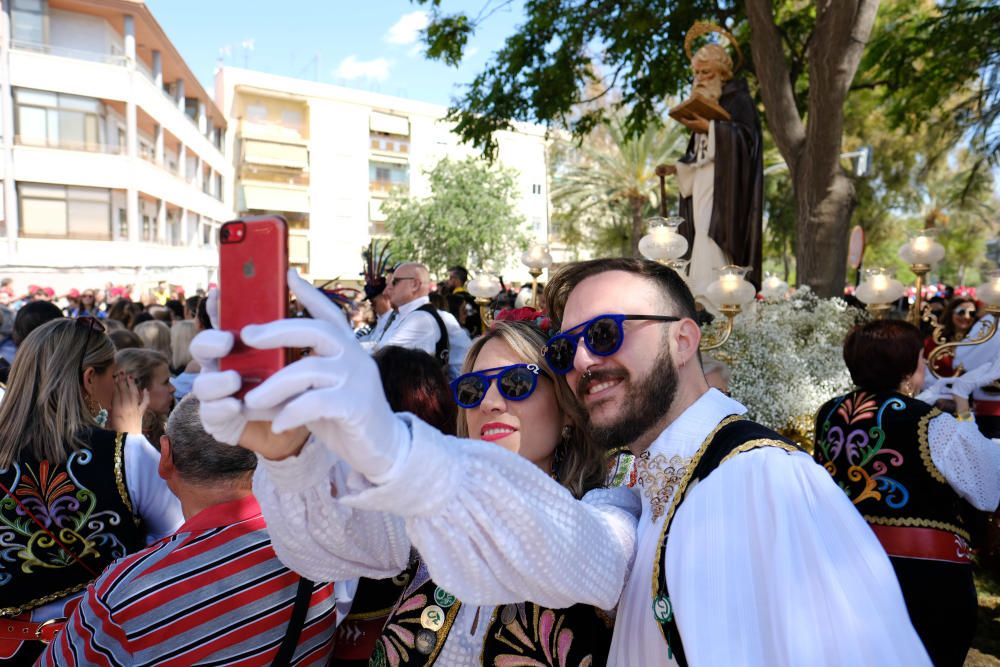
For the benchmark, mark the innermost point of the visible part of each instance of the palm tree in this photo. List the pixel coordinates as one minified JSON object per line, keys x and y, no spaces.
{"x":604,"y":188}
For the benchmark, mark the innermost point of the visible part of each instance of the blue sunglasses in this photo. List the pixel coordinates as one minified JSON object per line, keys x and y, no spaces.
{"x":603,"y":336}
{"x":515,"y":383}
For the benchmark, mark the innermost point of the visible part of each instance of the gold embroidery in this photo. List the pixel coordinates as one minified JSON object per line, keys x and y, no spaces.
{"x":692,"y":464}
{"x":919,"y":523}
{"x":659,"y":477}
{"x":120,"y":474}
{"x":925,"y":448}
{"x":45,"y":599}
{"x":760,"y":442}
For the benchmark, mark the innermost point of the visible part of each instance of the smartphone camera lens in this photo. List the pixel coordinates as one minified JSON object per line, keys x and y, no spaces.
{"x":225,"y":234}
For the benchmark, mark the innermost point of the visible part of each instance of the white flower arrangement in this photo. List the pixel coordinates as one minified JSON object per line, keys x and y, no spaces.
{"x":787,"y":359}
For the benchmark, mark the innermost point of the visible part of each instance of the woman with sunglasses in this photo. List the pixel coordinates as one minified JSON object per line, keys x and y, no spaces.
{"x":956,"y":321}
{"x":492,"y":529}
{"x":78,"y":482}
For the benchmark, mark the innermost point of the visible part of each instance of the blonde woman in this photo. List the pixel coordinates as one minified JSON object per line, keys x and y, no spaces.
{"x":151,"y":373}
{"x":155,"y":335}
{"x":460,"y":503}
{"x":181,"y":334}
{"x":74,"y":496}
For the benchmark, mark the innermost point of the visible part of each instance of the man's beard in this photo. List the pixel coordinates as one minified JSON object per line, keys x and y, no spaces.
{"x":650,"y":400}
{"x":710,"y":90}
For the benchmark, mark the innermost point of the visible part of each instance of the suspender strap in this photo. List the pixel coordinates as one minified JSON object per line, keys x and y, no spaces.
{"x":441,"y":350}
{"x":287,"y":649}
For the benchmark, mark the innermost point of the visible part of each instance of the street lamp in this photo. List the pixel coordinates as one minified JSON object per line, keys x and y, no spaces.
{"x":921,"y":252}
{"x":537,"y":259}
{"x":730,"y":292}
{"x":663,"y":243}
{"x":878,"y":291}
{"x":484,"y":288}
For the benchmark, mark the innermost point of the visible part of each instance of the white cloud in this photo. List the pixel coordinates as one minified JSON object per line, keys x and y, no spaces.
{"x":407,"y":29}
{"x":350,"y":69}
{"x":470,"y":52}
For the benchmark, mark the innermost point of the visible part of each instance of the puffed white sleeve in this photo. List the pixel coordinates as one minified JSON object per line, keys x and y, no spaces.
{"x":494,"y":529}
{"x":313,"y":532}
{"x":969,"y":461}
{"x":153,"y":500}
{"x":769,"y":563}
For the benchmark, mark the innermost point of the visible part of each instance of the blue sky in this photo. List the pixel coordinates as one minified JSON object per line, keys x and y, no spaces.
{"x":371,"y":45}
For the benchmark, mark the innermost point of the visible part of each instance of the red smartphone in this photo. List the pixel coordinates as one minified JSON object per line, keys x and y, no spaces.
{"x":253,"y":268}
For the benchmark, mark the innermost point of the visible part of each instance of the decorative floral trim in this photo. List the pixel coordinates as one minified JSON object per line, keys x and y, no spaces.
{"x":659,"y":477}
{"x":756,"y":444}
{"x":120,"y":475}
{"x":925,"y":448}
{"x":919,"y":523}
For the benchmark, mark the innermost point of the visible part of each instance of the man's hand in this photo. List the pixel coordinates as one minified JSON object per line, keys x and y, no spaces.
{"x":696,"y":124}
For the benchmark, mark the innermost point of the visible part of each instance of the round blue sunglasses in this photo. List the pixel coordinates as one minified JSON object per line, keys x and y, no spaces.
{"x":603,"y":336}
{"x":515,"y":383}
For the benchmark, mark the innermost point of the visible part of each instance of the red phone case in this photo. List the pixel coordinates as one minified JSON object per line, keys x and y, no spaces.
{"x":253,"y":267}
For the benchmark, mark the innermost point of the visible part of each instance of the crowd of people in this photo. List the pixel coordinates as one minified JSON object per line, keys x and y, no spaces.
{"x":570,"y":485}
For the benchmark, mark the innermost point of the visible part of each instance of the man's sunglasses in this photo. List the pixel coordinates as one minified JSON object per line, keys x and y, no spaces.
{"x":515,"y":383}
{"x":603,"y":336}
{"x":92,"y":324}
{"x":396,"y":281}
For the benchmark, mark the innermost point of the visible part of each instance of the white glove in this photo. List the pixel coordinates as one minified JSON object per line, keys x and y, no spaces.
{"x":968,"y":382}
{"x":940,"y":389}
{"x":222,"y":416}
{"x":336,"y":392}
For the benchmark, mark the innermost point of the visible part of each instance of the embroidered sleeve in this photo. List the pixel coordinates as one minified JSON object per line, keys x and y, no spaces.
{"x":313,"y":532}
{"x":968,"y":460}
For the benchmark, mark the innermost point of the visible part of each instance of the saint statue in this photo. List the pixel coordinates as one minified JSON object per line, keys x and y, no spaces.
{"x":721,"y":175}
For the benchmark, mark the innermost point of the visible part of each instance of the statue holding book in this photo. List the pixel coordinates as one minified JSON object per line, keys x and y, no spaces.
{"x":721,"y":175}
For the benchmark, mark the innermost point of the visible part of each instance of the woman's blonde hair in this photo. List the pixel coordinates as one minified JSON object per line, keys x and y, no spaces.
{"x":45,"y":411}
{"x":583,"y":462}
{"x":155,"y":335}
{"x":181,"y":335}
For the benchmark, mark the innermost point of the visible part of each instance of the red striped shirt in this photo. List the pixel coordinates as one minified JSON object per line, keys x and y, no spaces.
{"x":214,"y":593}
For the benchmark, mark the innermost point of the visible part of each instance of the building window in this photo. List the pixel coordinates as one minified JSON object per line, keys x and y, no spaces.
{"x":28,"y":18}
{"x":218,"y":187}
{"x":122,"y":224}
{"x":56,"y":120}
{"x":389,"y":143}
{"x":388,"y":176}
{"x":59,"y":211}
{"x":536,"y":189}
{"x":256,"y":113}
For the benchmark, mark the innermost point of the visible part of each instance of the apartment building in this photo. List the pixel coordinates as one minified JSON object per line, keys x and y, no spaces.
{"x":111,"y":152}
{"x":327,"y":157}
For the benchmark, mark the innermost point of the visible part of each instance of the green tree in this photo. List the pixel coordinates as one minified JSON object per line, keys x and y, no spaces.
{"x":470,"y":217}
{"x":605,"y":187}
{"x":805,"y":55}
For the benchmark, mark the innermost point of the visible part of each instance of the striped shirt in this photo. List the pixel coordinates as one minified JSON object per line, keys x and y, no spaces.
{"x":214,"y":593}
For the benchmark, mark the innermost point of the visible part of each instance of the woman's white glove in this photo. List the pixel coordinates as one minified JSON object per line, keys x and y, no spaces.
{"x":336,"y":392}
{"x":980,"y":376}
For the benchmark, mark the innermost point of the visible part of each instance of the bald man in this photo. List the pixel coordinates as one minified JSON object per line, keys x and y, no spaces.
{"x":417,"y":325}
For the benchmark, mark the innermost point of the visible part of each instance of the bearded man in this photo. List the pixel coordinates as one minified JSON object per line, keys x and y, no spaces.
{"x":721,"y":175}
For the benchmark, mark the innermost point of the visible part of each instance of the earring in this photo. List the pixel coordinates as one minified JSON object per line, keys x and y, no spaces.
{"x":906,"y":389}
{"x":97,"y":411}
{"x":567,"y":431}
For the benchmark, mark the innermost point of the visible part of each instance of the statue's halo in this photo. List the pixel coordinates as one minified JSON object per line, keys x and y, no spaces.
{"x":701,"y":28}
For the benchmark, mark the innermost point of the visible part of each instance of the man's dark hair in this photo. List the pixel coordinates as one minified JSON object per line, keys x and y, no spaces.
{"x":203,"y":319}
{"x":198,"y":457}
{"x":176,"y":308}
{"x":675,"y":290}
{"x":33,"y":315}
{"x":413,"y":381}
{"x":460,"y":272}
{"x":140,"y":318}
{"x":880,"y":354}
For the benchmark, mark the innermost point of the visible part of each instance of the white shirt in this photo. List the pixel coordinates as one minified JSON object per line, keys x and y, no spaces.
{"x":768,"y":563}
{"x":974,"y":356}
{"x":375,"y":334}
{"x":968,"y":460}
{"x":412,"y":329}
{"x":458,"y":343}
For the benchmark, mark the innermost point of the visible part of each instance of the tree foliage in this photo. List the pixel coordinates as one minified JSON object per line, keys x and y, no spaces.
{"x":470,"y":217}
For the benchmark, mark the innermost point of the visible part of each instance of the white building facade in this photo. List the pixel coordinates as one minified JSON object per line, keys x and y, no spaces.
{"x":111,"y":153}
{"x":326,"y":157}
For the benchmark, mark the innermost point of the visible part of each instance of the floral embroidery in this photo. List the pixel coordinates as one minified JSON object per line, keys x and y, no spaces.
{"x":861,"y":450}
{"x":659,"y":477}
{"x":67,"y":509}
{"x":540,"y":637}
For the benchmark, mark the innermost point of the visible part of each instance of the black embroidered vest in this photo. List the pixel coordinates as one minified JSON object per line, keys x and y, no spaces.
{"x":83,"y":503}
{"x":523,"y":633}
{"x":875,"y":445}
{"x":734,"y":435}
